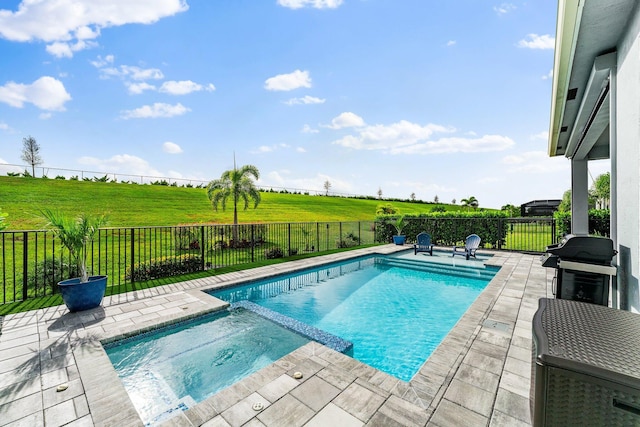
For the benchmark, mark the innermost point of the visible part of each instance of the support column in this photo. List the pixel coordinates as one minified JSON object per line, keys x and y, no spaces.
{"x":613,"y":195}
{"x":579,"y":197}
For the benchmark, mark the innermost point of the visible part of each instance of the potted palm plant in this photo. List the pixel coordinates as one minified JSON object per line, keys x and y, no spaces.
{"x":84,"y":292}
{"x":399,"y":225}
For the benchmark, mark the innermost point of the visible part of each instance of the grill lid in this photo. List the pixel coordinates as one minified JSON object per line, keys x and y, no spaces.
{"x":584,"y":248}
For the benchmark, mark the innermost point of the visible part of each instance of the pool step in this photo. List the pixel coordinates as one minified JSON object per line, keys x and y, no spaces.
{"x":432,"y":267}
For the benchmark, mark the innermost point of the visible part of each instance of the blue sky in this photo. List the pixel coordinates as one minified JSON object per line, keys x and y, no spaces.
{"x":436,"y":98}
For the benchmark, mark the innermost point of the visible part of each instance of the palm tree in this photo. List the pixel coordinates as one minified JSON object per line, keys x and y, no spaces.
{"x":470,"y":202}
{"x":238,"y":185}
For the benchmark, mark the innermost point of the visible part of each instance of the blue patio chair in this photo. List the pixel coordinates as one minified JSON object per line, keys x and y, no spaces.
{"x":471,"y":244}
{"x":423,"y":244}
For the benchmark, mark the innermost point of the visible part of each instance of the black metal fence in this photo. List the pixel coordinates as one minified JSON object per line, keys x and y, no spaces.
{"x":32,"y":262}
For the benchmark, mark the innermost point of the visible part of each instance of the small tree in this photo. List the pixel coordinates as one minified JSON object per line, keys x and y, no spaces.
{"x":601,"y":190}
{"x":413,"y":197}
{"x":470,"y":202}
{"x":31,"y":153}
{"x":75,"y":234}
{"x":453,"y":201}
{"x":386,"y":209}
{"x":565,"y":204}
{"x":511,"y":210}
{"x":379,"y":193}
{"x":436,"y":199}
{"x":327,"y":187}
{"x":238,"y":185}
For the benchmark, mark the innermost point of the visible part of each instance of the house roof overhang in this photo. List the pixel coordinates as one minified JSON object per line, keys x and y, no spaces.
{"x":587,"y":34}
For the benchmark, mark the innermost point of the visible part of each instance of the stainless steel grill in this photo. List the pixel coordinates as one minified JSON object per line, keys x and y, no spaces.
{"x":583,"y":268}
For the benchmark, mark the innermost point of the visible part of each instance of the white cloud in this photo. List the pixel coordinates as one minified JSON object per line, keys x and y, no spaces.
{"x":548,"y":76}
{"x":156,"y":110}
{"x":307,"y":129}
{"x":4,"y":126}
{"x":534,"y":41}
{"x":121,"y":163}
{"x":171,"y":148}
{"x":270,"y":148}
{"x":286,"y":82}
{"x":138,"y":88}
{"x":66,"y":25}
{"x":536,"y":162}
{"x":504,"y":8}
{"x":45,"y":116}
{"x":451,"y":43}
{"x":345,"y":120}
{"x":544,"y":136}
{"x":305,"y":100}
{"x":132,"y":72}
{"x":317,"y":4}
{"x":101,"y":62}
{"x":410,"y":138}
{"x":301,"y":150}
{"x":183,"y":87}
{"x":46,"y":93}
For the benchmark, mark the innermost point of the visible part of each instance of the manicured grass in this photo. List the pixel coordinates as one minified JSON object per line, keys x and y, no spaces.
{"x":155,"y":205}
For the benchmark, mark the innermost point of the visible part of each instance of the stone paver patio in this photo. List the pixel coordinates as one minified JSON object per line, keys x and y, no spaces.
{"x":478,"y":376}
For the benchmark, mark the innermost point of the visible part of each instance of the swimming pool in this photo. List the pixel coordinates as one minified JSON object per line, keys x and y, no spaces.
{"x":175,"y":367}
{"x":394,"y":310}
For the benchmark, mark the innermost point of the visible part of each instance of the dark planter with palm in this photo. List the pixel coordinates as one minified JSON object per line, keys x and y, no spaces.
{"x":84,"y":292}
{"x":399,"y":225}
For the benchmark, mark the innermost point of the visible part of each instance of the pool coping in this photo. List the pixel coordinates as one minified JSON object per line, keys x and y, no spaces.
{"x":496,"y":322}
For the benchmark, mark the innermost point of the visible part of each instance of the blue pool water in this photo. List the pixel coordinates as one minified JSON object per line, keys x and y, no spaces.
{"x":395,"y":312}
{"x":173,"y":368}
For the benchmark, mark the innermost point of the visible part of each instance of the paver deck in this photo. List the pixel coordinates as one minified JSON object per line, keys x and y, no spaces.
{"x":478,"y":376}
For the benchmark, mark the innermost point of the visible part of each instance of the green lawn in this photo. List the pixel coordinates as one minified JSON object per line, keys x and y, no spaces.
{"x":155,"y":205}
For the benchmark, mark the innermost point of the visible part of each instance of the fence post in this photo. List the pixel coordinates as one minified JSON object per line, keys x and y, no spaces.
{"x":359,"y":235}
{"x":553,"y":231}
{"x":132,"y":259}
{"x":25,"y":265}
{"x":288,"y":239}
{"x":318,"y":236}
{"x":202,"y":245}
{"x":253,"y":243}
{"x":500,"y":230}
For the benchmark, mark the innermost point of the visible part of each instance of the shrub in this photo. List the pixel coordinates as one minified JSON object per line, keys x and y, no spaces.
{"x":599,"y":222}
{"x":273,"y":253}
{"x":348,"y":241}
{"x":50,"y":271}
{"x":60,"y":177}
{"x":447,"y":228}
{"x":164,"y":267}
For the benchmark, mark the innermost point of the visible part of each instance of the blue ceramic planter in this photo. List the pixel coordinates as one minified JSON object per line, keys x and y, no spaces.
{"x":83,"y":296}
{"x":399,"y":240}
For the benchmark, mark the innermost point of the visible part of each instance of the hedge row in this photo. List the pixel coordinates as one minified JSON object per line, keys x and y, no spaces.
{"x":599,"y":222}
{"x":447,"y":228}
{"x":165,"y":267}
